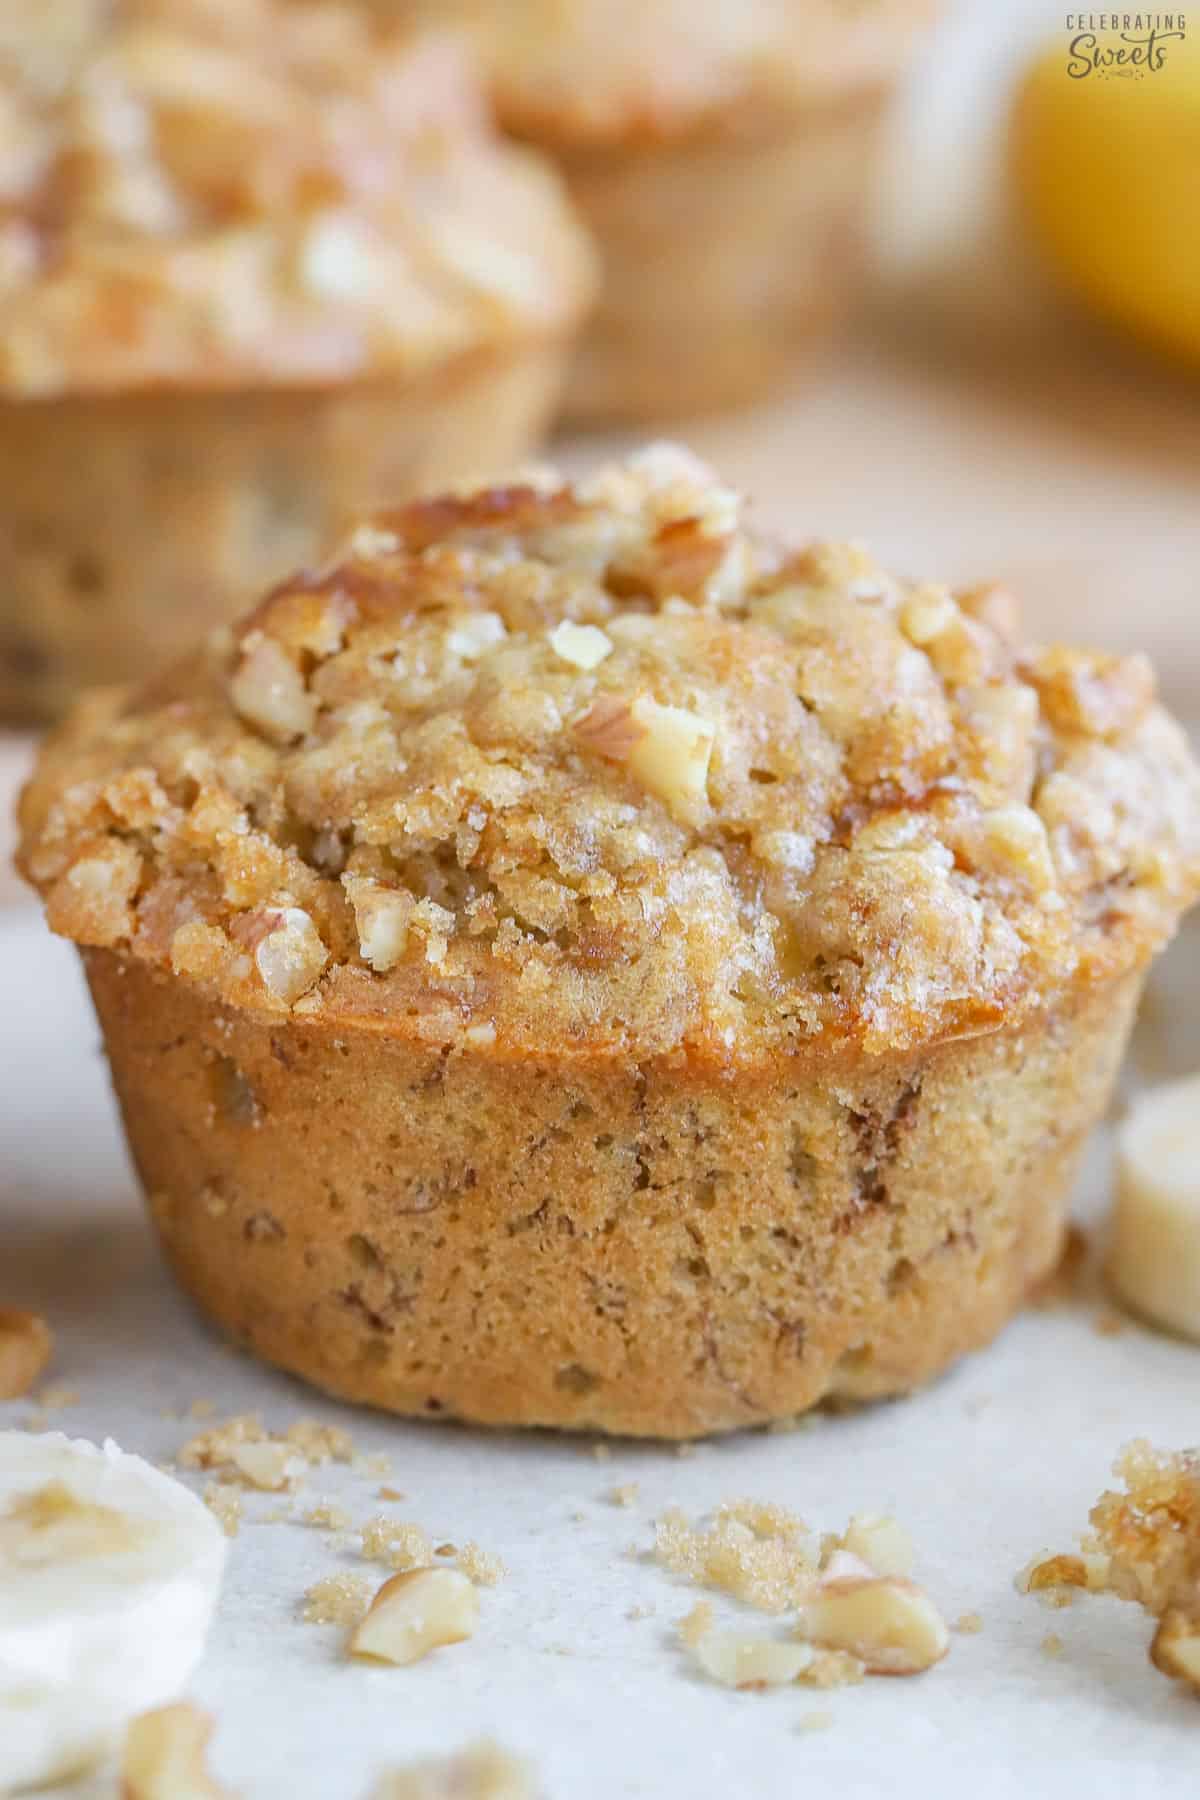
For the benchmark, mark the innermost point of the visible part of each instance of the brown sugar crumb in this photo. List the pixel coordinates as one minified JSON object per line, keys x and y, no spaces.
{"x":814,"y":1721}
{"x":483,"y":1567}
{"x":446,"y":1550}
{"x":967,"y":1624}
{"x":337,"y":1600}
{"x":26,"y":1345}
{"x":398,"y":1545}
{"x":758,"y":1553}
{"x":1144,"y":1546}
{"x":390,"y":1493}
{"x":482,"y":1772}
{"x":327,"y":1517}
{"x":225,"y":1503}
{"x":319,"y":1443}
{"x":696,"y":1624}
{"x":1052,"y":1645}
{"x":625,"y":1494}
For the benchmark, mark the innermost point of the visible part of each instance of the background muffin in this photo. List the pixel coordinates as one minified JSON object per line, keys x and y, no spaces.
{"x":260,"y":266}
{"x":720,"y":153}
{"x":574,"y":963}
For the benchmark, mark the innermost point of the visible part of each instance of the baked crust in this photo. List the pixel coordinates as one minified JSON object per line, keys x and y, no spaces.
{"x":600,"y":1244}
{"x":195,"y":194}
{"x":570,"y":74}
{"x":596,"y":770}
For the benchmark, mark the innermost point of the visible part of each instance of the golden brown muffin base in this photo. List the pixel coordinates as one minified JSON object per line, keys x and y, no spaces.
{"x":666,"y":1250}
{"x":131,"y":524}
{"x":722,"y":258}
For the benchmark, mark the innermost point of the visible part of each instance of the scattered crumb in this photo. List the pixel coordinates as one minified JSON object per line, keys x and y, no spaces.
{"x":482,"y":1772}
{"x":1144,"y":1546}
{"x":391,"y":1493}
{"x":446,"y":1550}
{"x":759,"y":1553}
{"x":201,"y":1409}
{"x":834,"y":1669}
{"x":319,"y":1443}
{"x":1052,"y":1644}
{"x":641,"y":1612}
{"x":225,"y":1503}
{"x":57,"y":1397}
{"x":696,"y":1624}
{"x":399,"y":1545}
{"x":483,"y":1567}
{"x":337,"y":1600}
{"x":578,"y":1518}
{"x":26,"y":1345}
{"x":269,"y":1466}
{"x":1109,"y":1323}
{"x":213,"y":1449}
{"x":602,"y":1452}
{"x":625,"y":1494}
{"x":814,"y":1721}
{"x":325,"y":1516}
{"x":376,"y":1464}
{"x":967,"y":1624}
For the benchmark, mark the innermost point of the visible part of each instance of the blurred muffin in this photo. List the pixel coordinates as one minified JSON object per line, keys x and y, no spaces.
{"x":721,"y":155}
{"x":260,"y":266}
{"x":573,"y":963}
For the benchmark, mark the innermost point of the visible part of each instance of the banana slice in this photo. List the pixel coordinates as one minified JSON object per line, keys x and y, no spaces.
{"x":1154,"y":1262}
{"x":109,"y":1574}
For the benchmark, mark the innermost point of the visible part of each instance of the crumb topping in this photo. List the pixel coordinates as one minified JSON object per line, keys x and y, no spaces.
{"x":597,"y":71}
{"x":798,"y":801}
{"x":1144,"y":1546}
{"x":209,"y":193}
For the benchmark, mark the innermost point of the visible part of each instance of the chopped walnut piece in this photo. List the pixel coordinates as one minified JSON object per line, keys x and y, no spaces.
{"x":583,"y":646}
{"x":415,"y":1612}
{"x":1176,"y":1647}
{"x":268,"y":690}
{"x":26,"y":1344}
{"x":337,"y":1600}
{"x":671,"y":754}
{"x":880,"y":1542}
{"x":482,"y":1772}
{"x":751,"y":1663}
{"x":165,"y":1756}
{"x":886,"y":1621}
{"x":291,"y":957}
{"x":269,"y":1466}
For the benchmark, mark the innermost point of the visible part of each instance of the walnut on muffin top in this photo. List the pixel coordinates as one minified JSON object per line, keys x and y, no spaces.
{"x":194,"y":190}
{"x":594,"y":767}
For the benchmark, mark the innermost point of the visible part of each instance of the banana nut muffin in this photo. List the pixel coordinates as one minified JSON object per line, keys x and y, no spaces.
{"x":261,"y":266}
{"x":722,"y":155}
{"x":572,"y":962}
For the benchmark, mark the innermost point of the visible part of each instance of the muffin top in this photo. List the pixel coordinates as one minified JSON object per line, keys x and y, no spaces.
{"x":592,"y":770}
{"x":193,"y":191}
{"x":604,"y":71}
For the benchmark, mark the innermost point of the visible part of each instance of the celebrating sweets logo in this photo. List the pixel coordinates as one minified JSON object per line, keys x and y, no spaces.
{"x":1129,"y":45}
